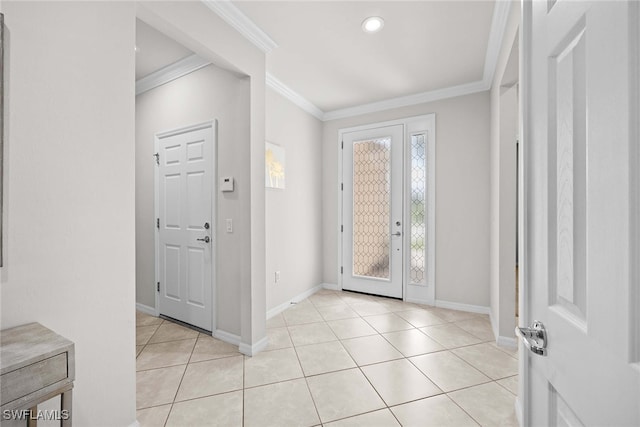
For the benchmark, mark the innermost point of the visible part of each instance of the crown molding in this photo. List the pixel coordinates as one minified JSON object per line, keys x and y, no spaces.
{"x":496,"y":35}
{"x":245,"y":26}
{"x":405,"y":101}
{"x":234,"y":17}
{"x":171,"y":72}
{"x":293,"y":96}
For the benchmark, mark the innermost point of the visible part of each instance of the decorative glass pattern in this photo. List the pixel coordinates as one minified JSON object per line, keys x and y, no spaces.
{"x":371,"y":207}
{"x":418,"y":234}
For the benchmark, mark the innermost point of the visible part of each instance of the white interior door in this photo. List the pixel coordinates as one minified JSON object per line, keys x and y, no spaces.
{"x":185,"y":224}
{"x":372,"y":211}
{"x":580,"y":141}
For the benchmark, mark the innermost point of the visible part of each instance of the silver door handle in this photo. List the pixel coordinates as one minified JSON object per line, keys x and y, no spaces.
{"x":205,"y":239}
{"x":397,"y":234}
{"x":534,"y":337}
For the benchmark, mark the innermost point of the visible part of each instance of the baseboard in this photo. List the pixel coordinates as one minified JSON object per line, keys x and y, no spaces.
{"x":331,"y":286}
{"x":244,"y":348}
{"x":502,"y":341}
{"x":227,"y":337}
{"x":463,"y":307}
{"x":146,"y":309}
{"x":278,"y":309}
{"x":282,"y":307}
{"x":508,"y":342}
{"x":494,"y":326}
{"x":419,"y":301}
{"x":251,"y":350}
{"x":306,"y":294}
{"x":518,"y":405}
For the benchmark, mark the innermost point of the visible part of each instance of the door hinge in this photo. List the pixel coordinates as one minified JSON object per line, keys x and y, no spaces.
{"x":157,"y":156}
{"x":158,"y":223}
{"x":342,"y":228}
{"x":342,"y":145}
{"x":158,"y":287}
{"x":342,"y":187}
{"x":341,"y":270}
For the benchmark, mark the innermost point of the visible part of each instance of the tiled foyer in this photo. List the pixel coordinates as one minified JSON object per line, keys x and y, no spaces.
{"x":335,"y":359}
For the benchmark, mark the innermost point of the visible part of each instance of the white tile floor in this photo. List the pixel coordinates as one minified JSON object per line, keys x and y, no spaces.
{"x":335,"y":359}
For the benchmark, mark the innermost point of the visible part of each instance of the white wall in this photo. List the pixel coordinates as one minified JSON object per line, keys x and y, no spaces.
{"x":69,"y":224}
{"x":504,"y":131}
{"x":294,"y":215}
{"x":209,"y":93}
{"x":462,"y":194}
{"x":202,"y":31}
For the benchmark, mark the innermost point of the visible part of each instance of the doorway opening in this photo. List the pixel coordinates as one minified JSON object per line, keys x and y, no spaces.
{"x":387,"y":205}
{"x":176,"y":88}
{"x":506,"y":210}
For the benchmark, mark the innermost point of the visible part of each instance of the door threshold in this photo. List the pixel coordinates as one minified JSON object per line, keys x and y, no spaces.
{"x":186,"y":325}
{"x":373,"y":295}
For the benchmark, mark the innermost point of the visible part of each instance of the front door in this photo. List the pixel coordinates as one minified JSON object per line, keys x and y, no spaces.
{"x":580,"y":251}
{"x":185,"y":223}
{"x":372,"y":211}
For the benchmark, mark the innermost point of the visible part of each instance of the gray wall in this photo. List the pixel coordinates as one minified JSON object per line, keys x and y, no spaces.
{"x":69,"y":225}
{"x":294,"y":215}
{"x":462,"y":194}
{"x":209,"y":93}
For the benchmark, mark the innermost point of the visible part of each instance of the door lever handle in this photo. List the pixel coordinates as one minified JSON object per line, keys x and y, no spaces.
{"x":205,"y":239}
{"x":397,"y":234}
{"x":534,"y":337}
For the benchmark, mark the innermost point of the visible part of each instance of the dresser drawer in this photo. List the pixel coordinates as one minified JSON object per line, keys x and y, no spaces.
{"x":31,"y":378}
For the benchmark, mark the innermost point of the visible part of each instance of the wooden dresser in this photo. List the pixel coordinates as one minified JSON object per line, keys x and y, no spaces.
{"x":36,"y":364}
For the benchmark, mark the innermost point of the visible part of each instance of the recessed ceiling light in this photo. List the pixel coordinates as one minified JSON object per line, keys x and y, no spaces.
{"x":372,"y":24}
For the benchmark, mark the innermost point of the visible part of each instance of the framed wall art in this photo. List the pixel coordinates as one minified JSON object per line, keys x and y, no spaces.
{"x":275,"y":174}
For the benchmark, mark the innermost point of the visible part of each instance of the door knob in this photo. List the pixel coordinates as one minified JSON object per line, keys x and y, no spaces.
{"x":534,"y":337}
{"x":205,"y":239}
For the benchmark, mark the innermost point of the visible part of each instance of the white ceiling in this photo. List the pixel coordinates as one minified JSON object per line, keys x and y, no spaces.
{"x":323,"y":55}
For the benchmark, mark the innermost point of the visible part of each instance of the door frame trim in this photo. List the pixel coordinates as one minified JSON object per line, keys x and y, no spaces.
{"x":411,"y":125}
{"x":213,"y":125}
{"x":634,"y":61}
{"x":526,"y":179}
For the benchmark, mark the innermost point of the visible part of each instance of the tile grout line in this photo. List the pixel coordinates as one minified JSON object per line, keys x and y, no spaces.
{"x":363,"y":374}
{"x":176,"y":394}
{"x":315,"y":406}
{"x":244,"y":360}
{"x":408,"y":359}
{"x":349,"y":305}
{"x":367,"y":378}
{"x":181,"y":379}
{"x":463,"y":410}
{"x":466,"y":388}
